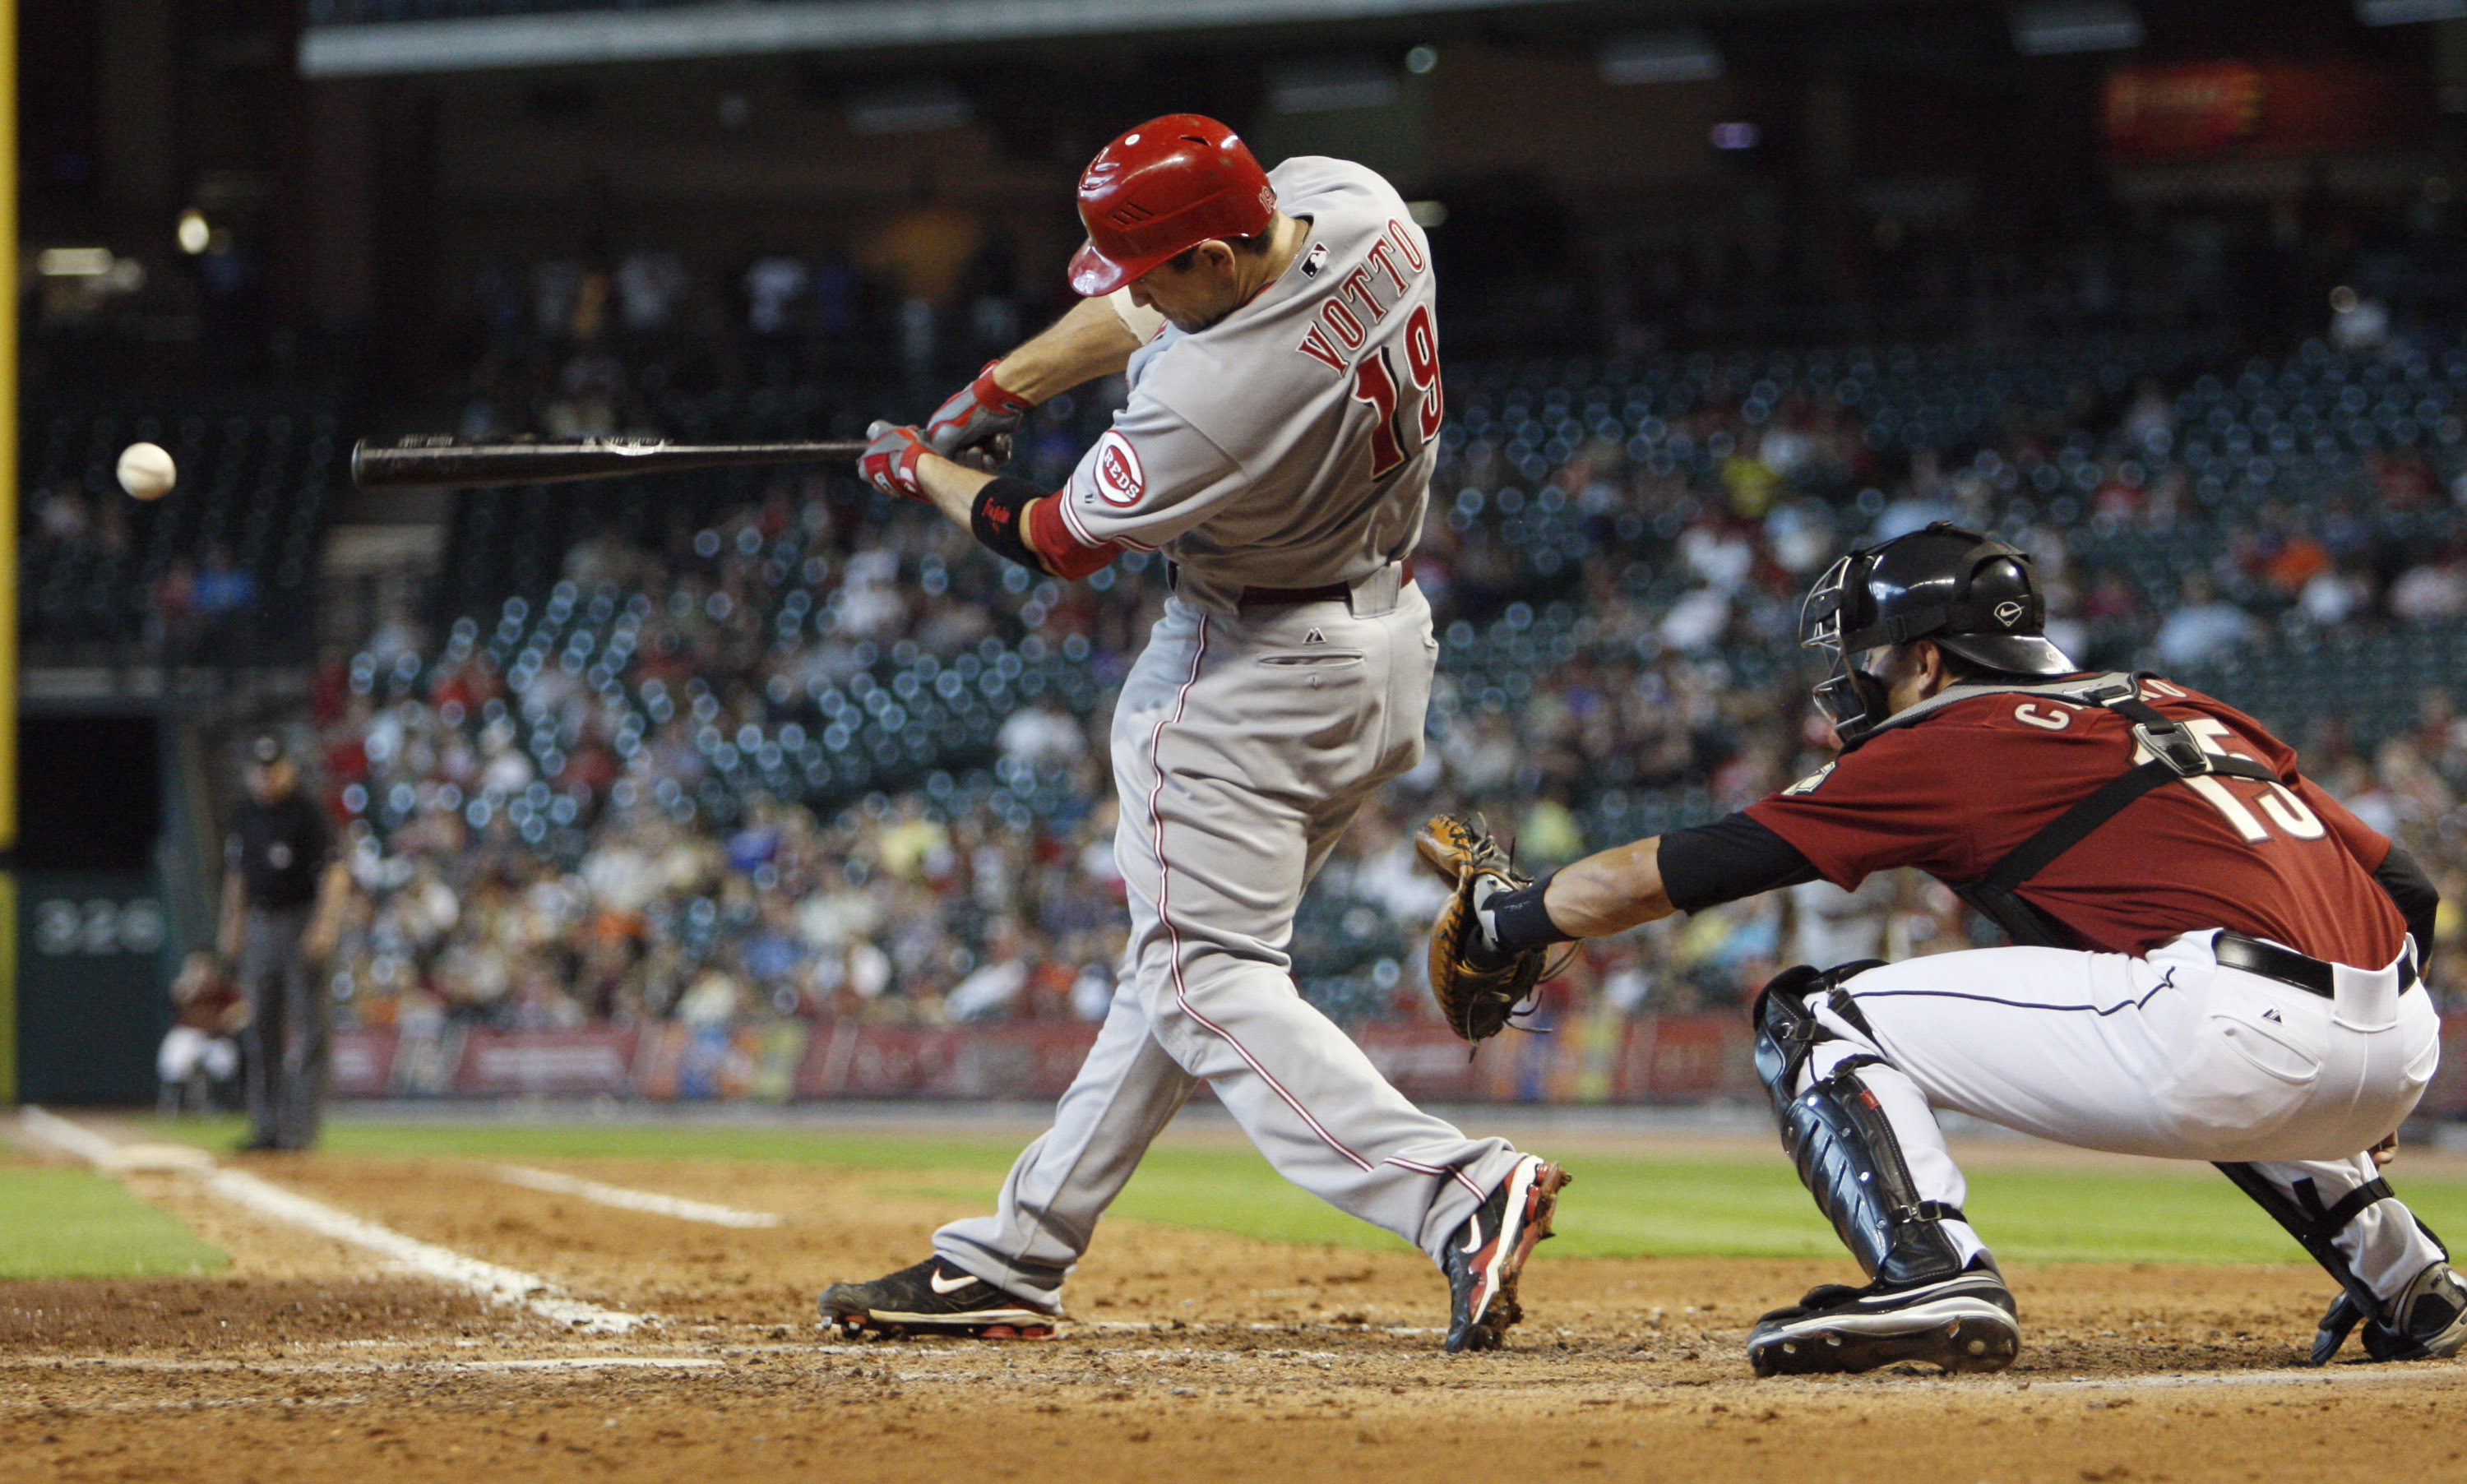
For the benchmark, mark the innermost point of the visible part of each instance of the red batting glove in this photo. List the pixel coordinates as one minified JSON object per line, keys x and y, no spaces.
{"x":975,"y":416}
{"x":889,"y":461}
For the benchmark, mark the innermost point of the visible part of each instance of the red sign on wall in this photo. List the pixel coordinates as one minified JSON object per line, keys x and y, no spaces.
{"x":547,"y":1063}
{"x":363,"y":1065}
{"x":1031,"y":1060}
{"x":2182,"y":112}
{"x":1651,"y":1059}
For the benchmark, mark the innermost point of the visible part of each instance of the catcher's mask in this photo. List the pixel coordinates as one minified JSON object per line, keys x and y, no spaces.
{"x":1971,"y":594}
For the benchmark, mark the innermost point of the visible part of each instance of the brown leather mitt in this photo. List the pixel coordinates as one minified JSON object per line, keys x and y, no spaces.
{"x":1478,"y":988}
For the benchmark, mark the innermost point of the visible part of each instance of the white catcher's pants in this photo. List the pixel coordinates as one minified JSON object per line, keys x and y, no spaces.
{"x":2170,"y":1055}
{"x":186,"y":1050}
{"x":1243,"y":743}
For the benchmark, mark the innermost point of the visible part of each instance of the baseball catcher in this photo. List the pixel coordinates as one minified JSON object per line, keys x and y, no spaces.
{"x":2213,"y":959}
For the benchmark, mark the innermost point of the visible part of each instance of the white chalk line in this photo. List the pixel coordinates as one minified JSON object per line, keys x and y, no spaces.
{"x":622,"y":1198}
{"x":1154,"y":1327}
{"x":2388,"y":1372}
{"x":604,"y":1363}
{"x":69,"y":1138}
{"x":286,"y":1405}
{"x":489,"y":1280}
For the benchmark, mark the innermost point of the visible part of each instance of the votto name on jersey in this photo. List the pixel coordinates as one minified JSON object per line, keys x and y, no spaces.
{"x":1337,"y":335}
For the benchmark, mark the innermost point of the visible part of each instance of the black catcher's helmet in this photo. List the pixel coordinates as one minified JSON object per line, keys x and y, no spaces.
{"x":1972,"y":594}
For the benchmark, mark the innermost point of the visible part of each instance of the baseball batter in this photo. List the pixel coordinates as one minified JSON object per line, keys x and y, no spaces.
{"x":2215,"y":961}
{"x":1277,"y":332}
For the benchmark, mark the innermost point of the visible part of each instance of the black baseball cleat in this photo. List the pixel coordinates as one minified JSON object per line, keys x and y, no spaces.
{"x":1488,"y":1252}
{"x":933,"y":1298}
{"x":2432,"y":1317}
{"x":2429,"y":1321}
{"x":1962,"y":1323}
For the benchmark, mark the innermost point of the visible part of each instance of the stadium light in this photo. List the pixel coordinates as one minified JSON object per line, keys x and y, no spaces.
{"x":2055,"y":28}
{"x":193,"y":234}
{"x":910,"y":108}
{"x":1324,"y":83}
{"x":74,"y":262}
{"x":2407,"y":12}
{"x":1686,"y":55}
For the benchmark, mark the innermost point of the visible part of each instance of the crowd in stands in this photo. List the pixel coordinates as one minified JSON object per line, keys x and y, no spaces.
{"x":819,"y":757}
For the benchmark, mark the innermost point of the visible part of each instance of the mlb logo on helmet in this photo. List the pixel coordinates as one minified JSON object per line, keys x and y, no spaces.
{"x":1120,"y":479}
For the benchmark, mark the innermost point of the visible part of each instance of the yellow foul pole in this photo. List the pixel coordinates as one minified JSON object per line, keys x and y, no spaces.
{"x":8,"y":556}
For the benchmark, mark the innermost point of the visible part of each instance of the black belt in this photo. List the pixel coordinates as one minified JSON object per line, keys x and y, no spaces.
{"x":1272,"y":597}
{"x":2312,"y":976}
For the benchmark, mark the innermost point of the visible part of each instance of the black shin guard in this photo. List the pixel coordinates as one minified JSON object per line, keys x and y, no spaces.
{"x":1837,"y":1135}
{"x":2316,"y":1226}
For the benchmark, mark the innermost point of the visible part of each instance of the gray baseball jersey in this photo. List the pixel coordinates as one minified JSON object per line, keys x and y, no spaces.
{"x":1290,"y":443}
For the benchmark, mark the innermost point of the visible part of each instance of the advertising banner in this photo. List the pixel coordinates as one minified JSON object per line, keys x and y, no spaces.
{"x":1033,"y":1061}
{"x":582,"y":1063}
{"x":1601,"y":1059}
{"x":363,"y":1063}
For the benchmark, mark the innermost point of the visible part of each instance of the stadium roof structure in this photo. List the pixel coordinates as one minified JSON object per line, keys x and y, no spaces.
{"x":375,"y":37}
{"x":669,"y":33}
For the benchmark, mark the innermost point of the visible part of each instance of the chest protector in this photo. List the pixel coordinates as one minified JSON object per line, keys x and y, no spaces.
{"x":2175,"y":753}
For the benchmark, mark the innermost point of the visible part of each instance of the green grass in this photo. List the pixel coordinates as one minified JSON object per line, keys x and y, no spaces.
{"x":69,"y":1224}
{"x":1627,"y":1206}
{"x":1621,"y":1205}
{"x":839,"y":1148}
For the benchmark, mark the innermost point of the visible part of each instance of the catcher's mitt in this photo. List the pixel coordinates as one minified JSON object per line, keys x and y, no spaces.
{"x":1478,"y":988}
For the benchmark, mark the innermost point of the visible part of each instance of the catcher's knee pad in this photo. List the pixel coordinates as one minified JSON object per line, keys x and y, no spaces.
{"x":1837,"y":1135}
{"x":1787,"y":1030}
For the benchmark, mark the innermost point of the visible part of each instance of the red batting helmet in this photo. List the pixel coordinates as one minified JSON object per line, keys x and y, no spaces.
{"x":1168,"y":185}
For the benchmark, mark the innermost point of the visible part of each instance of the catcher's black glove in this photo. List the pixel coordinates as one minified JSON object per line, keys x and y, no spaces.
{"x":1479,"y":987}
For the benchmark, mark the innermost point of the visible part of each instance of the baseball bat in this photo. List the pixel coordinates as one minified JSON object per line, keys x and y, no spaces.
{"x":452,"y":464}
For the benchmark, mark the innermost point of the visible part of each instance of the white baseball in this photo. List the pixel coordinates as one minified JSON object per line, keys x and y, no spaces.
{"x":146,"y":471}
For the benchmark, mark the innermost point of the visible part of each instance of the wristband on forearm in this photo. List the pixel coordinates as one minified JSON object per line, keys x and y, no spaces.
{"x":1515,"y":921}
{"x":999,"y":517}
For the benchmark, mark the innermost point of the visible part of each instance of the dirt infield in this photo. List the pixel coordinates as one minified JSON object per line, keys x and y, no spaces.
{"x":1196,"y":1357}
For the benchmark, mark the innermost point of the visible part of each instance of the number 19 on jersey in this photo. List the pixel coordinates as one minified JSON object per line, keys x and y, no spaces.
{"x":1374,"y":383}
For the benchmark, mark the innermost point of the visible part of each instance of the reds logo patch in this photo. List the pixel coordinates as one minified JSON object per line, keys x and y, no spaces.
{"x":1120,"y":479}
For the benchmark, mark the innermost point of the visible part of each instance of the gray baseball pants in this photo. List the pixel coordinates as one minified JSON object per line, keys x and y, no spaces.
{"x":1243,"y":743}
{"x":287,"y":1039}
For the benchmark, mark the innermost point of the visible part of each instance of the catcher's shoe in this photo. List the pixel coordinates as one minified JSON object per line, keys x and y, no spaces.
{"x":1962,"y":1323}
{"x":2432,"y":1317}
{"x":1488,"y":1252}
{"x":934,"y":1298}
{"x":2428,"y":1321}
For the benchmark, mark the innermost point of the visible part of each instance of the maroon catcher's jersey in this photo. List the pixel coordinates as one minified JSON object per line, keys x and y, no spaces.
{"x":1953,"y":793}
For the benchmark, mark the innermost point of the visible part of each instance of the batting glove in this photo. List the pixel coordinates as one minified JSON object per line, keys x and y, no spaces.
{"x":889,"y":461}
{"x":980,"y":416}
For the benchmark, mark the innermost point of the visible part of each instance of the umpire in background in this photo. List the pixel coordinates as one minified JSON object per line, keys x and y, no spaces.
{"x":284,"y":891}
